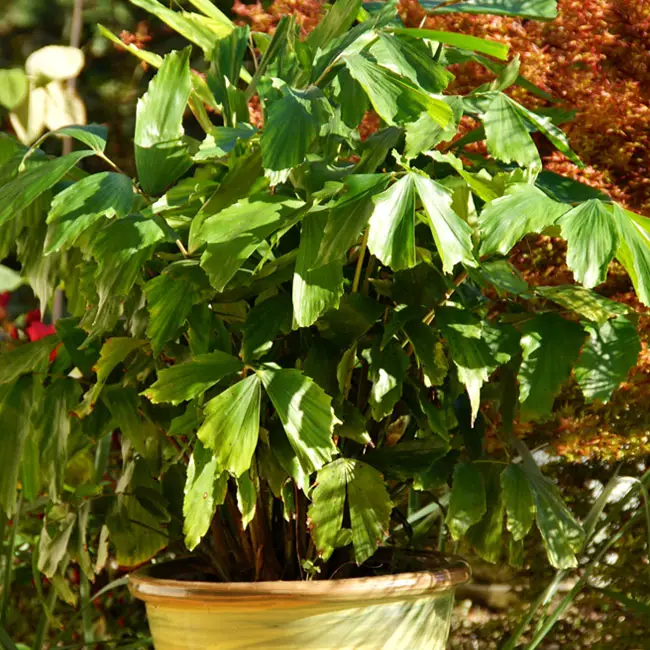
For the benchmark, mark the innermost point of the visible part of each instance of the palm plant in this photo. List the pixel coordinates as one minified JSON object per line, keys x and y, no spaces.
{"x":305,"y":337}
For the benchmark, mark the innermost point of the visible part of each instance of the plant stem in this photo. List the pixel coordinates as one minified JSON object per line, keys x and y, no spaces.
{"x":570,"y":597}
{"x":44,"y":621}
{"x":360,"y":260}
{"x":9,"y":562}
{"x":86,"y":612}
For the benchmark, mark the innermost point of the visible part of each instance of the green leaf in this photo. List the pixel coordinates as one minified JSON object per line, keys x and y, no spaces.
{"x":315,"y":290}
{"x":611,"y":351}
{"x":198,"y":29}
{"x":113,"y":352}
{"x":462,"y":41}
{"x":412,"y":59}
{"x":92,"y":135}
{"x":231,"y":426}
{"x":424,"y":134}
{"x":555,"y":135}
{"x":467,"y":503}
{"x":227,"y":59}
{"x":222,"y":140}
{"x":246,"y":499}
{"x":486,"y":535}
{"x":205,"y":489}
{"x":20,"y":192}
{"x":55,"y":423}
{"x":587,"y":303}
{"x":264,"y":323}
{"x":590,"y":232}
{"x":306,"y":414}
{"x":354,"y":317}
{"x":535,"y":9}
{"x":151,"y":58}
{"x":14,"y":87}
{"x":234,"y":233}
{"x":121,"y":248}
{"x":429,"y":352}
{"x":507,"y":136}
{"x":79,"y":206}
{"x":550,"y":346}
{"x":562,"y":535}
{"x":337,"y":21}
{"x":28,"y":357}
{"x":16,"y":405}
{"x":10,"y":280}
{"x":369,"y":504}
{"x":452,"y":235}
{"x":396,"y":99}
{"x":391,"y":235}
{"x":348,"y":216}
{"x":633,"y":250}
{"x":470,"y":352}
{"x":387,"y":371}
{"x":161,"y":155}
{"x":170,"y":297}
{"x":52,"y":550}
{"x":518,"y":500}
{"x":188,"y":380}
{"x":291,"y":127}
{"x":522,"y":210}
{"x":136,"y":533}
{"x":144,"y":435}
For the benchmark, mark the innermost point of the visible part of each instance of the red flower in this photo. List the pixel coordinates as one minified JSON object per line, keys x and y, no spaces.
{"x":35,"y":328}
{"x":4,"y":299}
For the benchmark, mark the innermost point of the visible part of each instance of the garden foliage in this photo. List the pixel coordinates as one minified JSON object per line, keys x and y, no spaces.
{"x":294,"y":329}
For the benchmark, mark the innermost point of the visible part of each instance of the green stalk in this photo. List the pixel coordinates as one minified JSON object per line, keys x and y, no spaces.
{"x":570,"y":597}
{"x":86,"y":610}
{"x":9,"y":562}
{"x":44,"y":621}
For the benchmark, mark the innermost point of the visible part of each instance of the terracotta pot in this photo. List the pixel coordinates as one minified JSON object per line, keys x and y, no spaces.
{"x":406,"y":611}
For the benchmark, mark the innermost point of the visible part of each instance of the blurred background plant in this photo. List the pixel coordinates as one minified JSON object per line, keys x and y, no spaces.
{"x":592,"y":61}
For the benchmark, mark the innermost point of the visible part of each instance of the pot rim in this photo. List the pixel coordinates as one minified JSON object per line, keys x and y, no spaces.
{"x":146,"y":586}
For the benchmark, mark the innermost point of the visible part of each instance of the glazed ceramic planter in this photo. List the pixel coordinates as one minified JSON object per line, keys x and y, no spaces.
{"x":407,"y":611}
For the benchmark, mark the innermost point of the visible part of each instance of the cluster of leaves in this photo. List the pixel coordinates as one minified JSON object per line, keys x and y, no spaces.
{"x":294,"y":329}
{"x":594,"y":58}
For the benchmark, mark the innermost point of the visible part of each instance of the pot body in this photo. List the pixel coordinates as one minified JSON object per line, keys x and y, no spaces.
{"x":400,"y":612}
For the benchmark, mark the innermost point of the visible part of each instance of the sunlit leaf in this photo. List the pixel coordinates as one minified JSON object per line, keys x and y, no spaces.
{"x":205,"y":489}
{"x":79,"y":206}
{"x":536,"y":9}
{"x":463,"y":41}
{"x":507,"y":136}
{"x":231,"y":426}
{"x":161,"y":155}
{"x":522,"y":210}
{"x":27,"y":186}
{"x":185,"y":381}
{"x":396,"y":99}
{"x":392,"y":225}
{"x":306,"y":414}
{"x":55,"y":62}
{"x":315,"y":290}
{"x":369,"y":506}
{"x":14,"y":87}
{"x":452,"y":235}
{"x":590,"y":232}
